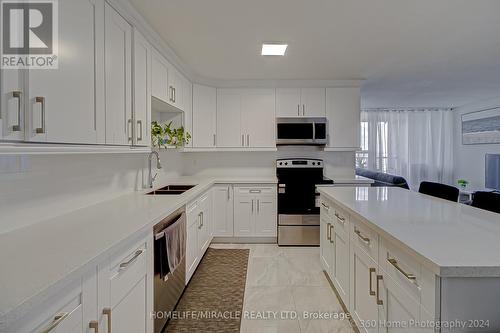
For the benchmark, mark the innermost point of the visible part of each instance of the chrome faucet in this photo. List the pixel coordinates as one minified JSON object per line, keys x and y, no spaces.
{"x":152,"y":178}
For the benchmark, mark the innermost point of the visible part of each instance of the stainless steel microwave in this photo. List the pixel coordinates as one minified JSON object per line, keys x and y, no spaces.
{"x":302,"y":131}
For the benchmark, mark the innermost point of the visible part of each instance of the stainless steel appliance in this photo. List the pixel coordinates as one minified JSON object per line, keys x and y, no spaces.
{"x":302,"y":131}
{"x":298,"y":200}
{"x":169,"y":284}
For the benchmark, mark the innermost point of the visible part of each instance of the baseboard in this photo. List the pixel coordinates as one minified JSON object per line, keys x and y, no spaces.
{"x":245,"y":240}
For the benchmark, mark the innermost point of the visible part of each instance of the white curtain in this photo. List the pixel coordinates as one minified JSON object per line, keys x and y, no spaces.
{"x":414,"y":143}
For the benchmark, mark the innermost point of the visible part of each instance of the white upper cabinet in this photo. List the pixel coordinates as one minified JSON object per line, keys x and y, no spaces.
{"x":11,"y":105}
{"x":246,"y":118}
{"x":313,"y":102}
{"x":176,"y":89}
{"x":118,"y":64}
{"x":343,"y":112}
{"x":297,"y":102}
{"x":204,"y":116}
{"x":258,"y":118}
{"x":142,"y":90}
{"x":229,"y":104}
{"x":159,"y":84}
{"x":288,"y":102}
{"x":66,"y":104}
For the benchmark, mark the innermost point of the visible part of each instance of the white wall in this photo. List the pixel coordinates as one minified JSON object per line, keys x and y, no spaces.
{"x":45,"y":186}
{"x":469,"y":159}
{"x":51,"y":185}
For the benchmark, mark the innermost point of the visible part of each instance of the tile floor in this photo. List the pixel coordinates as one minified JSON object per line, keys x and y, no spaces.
{"x":281,"y":279}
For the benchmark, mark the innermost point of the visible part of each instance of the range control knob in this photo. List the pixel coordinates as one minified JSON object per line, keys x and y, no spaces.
{"x":286,"y":163}
{"x":314,"y":163}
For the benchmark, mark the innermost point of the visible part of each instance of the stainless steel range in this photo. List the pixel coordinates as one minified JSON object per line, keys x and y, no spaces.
{"x":298,"y":200}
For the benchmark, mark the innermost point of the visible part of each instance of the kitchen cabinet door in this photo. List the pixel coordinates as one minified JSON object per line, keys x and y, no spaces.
{"x":188,"y":109}
{"x":244,"y":207}
{"x":223,"y":210}
{"x":363,"y":301}
{"x":11,"y":105}
{"x":159,"y":77}
{"x":65,"y":105}
{"x":397,"y":306}
{"x":325,"y":244}
{"x":176,"y":89}
{"x":205,"y":229}
{"x":204,"y":116}
{"x":229,"y":111}
{"x":142,"y":90}
{"x":123,"y":289}
{"x":192,"y":253}
{"x":340,"y":267}
{"x":258,"y":118}
{"x":265,"y":216}
{"x":288,"y":102}
{"x":312,"y":102}
{"x":343,"y":112}
{"x":118,"y":56}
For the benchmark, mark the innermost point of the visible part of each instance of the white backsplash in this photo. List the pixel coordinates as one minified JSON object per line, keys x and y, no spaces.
{"x":38,"y":187}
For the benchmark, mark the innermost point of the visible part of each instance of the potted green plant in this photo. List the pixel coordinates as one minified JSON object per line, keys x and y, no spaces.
{"x":163,"y":135}
{"x":462,"y":183}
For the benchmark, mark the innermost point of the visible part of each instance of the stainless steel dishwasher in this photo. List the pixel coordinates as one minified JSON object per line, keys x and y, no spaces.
{"x":169,"y":282}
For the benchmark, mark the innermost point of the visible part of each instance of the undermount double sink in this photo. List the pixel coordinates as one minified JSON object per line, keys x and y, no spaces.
{"x":171,"y":190}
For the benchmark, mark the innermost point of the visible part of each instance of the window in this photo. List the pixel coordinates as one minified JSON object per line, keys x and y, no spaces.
{"x":374,"y":146}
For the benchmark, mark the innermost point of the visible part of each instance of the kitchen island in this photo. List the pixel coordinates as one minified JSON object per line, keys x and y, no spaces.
{"x":397,"y":257}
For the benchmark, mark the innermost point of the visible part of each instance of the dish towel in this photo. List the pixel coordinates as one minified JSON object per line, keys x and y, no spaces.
{"x":175,"y":243}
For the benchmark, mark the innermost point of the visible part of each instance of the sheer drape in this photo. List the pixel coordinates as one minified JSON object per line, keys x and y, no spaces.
{"x":416,"y":144}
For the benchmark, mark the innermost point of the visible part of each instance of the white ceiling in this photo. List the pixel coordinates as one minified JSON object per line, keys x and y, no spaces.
{"x":411,"y":52}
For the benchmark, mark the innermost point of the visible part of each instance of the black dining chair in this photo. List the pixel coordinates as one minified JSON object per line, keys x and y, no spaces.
{"x":438,"y":190}
{"x":487,"y":200}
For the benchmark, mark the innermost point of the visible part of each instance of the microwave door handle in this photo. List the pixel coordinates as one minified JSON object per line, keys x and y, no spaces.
{"x":314,"y":131}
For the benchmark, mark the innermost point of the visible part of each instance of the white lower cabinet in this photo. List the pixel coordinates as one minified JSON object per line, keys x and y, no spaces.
{"x":124,"y":288}
{"x":199,"y":231}
{"x":223,"y":210}
{"x":116,"y":295}
{"x":255,"y":211}
{"x":384,"y":288}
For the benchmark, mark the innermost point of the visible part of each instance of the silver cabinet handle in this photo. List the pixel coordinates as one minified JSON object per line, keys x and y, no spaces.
{"x":137,"y":253}
{"x":340,"y":218}
{"x":248,"y":140}
{"x":107,"y":313}
{"x":328,"y":234}
{"x":41,"y":100}
{"x":139,"y":123}
{"x":57,"y":320}
{"x":363,"y":238}
{"x":228,"y":194}
{"x":331,"y":228}
{"x":325,"y":206}
{"x":370,"y":285}
{"x":94,"y":325}
{"x":252,"y":206}
{"x":243,"y":140}
{"x":129,"y":129}
{"x":202,"y":219}
{"x":255,"y":191}
{"x":173,"y":94}
{"x":170,"y":93}
{"x":17,"y":127}
{"x":303,"y":109}
{"x":394,"y":263}
{"x":258,"y":205}
{"x":379,"y":301}
{"x":199,"y":220}
{"x":298,"y":109}
{"x":215,"y":140}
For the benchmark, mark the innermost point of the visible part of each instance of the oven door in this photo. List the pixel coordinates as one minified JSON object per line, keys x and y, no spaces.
{"x":297,"y":199}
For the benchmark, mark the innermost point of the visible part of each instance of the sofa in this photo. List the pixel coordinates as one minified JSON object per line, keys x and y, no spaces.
{"x":383,"y":179}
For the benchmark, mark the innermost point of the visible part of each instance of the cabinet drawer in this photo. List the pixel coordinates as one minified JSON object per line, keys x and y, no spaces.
{"x":341,"y":221}
{"x":63,"y":312}
{"x":255,"y":190}
{"x":126,"y":271}
{"x":365,"y":238}
{"x":415,"y":279}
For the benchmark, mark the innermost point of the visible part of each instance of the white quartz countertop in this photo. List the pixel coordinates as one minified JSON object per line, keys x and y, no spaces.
{"x":451,"y":239}
{"x":36,"y":257}
{"x":343,"y":180}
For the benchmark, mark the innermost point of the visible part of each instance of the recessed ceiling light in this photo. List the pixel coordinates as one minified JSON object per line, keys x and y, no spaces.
{"x":273,"y":49}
